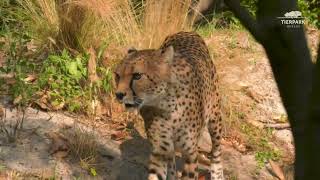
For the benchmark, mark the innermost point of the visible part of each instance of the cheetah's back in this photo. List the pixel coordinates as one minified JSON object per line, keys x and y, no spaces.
{"x":188,"y":44}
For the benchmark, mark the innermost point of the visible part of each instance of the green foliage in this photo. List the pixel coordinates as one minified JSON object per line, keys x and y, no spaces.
{"x":93,"y":172}
{"x":311,"y":11}
{"x":18,"y":65}
{"x":206,"y":29}
{"x":64,"y":77}
{"x":7,"y":17}
{"x":263,"y":156}
{"x":61,"y":76}
{"x":22,"y":90}
{"x":251,"y":5}
{"x":227,"y":18}
{"x":106,"y":73}
{"x":259,"y":140}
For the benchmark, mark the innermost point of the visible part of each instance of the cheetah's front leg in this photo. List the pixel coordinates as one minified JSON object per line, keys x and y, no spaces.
{"x":160,"y":136}
{"x":157,"y":167}
{"x":172,"y":171}
{"x":187,"y":142}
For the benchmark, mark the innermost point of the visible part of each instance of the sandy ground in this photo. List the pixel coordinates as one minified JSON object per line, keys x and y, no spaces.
{"x":30,"y":156}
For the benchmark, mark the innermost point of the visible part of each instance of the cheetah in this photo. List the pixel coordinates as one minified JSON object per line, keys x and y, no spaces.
{"x":175,"y":90}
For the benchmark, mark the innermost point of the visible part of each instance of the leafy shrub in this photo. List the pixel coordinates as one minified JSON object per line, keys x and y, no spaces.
{"x":61,"y":76}
{"x":65,"y":79}
{"x":7,"y":17}
{"x":17,"y":66}
{"x":61,"y":81}
{"x":311,"y":11}
{"x":251,"y":5}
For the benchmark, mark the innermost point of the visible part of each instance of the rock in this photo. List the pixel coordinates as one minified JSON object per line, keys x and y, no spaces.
{"x":284,"y":135}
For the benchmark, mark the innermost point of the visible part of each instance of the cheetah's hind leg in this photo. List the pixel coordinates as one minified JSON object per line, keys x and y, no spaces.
{"x":216,"y":168}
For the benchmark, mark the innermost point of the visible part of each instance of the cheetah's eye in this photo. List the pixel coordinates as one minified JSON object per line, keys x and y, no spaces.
{"x":136,"y":76}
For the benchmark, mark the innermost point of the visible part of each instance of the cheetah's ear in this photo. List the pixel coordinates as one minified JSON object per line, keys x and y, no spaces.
{"x":168,"y":54}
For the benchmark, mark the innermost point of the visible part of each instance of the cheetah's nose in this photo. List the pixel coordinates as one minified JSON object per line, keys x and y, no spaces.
{"x":120,"y":95}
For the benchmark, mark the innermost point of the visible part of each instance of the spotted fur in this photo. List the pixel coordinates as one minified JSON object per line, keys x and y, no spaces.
{"x":175,"y":90}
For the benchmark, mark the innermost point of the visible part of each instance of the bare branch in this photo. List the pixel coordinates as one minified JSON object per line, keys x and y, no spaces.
{"x":278,"y":125}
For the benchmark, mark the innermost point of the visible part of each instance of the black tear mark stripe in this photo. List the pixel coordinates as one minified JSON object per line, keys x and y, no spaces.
{"x":155,"y":164}
{"x":131,"y":84}
{"x":152,"y":171}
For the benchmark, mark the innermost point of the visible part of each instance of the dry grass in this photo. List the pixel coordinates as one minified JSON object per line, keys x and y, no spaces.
{"x":11,"y":128}
{"x":117,"y":20}
{"x":80,"y":24}
{"x":82,"y":145}
{"x":42,"y":20}
{"x":161,"y":18}
{"x":14,"y":175}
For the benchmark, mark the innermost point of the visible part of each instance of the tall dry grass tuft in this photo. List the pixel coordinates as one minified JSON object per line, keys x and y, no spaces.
{"x":117,"y":19}
{"x":60,"y":24}
{"x":81,"y":24}
{"x":42,"y":19}
{"x":161,"y":18}
{"x":145,"y":27}
{"x":82,"y":144}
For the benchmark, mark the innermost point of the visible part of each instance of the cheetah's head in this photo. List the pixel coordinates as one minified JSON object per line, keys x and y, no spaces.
{"x":142,"y":76}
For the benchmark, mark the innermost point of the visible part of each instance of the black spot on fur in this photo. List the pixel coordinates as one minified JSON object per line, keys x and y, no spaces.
{"x":191,"y":175}
{"x":163,"y":148}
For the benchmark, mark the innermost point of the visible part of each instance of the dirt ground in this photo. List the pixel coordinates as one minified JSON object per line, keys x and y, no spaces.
{"x":41,"y":150}
{"x":31,"y":157}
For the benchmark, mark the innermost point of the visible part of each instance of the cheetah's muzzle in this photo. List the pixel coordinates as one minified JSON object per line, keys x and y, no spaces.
{"x":137,"y":102}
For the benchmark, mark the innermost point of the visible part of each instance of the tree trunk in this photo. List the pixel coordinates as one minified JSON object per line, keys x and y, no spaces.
{"x":298,"y":79}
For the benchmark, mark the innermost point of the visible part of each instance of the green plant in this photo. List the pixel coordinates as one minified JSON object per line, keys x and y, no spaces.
{"x":233,"y":177}
{"x":251,"y":5}
{"x":93,"y":172}
{"x":64,"y":78}
{"x":227,"y":19}
{"x":310,"y":10}
{"x":18,"y":67}
{"x":205,"y":30}
{"x":8,"y":18}
{"x":263,"y":156}
{"x":23,"y":90}
{"x":61,"y":76}
{"x":2,"y":167}
{"x":259,"y":140}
